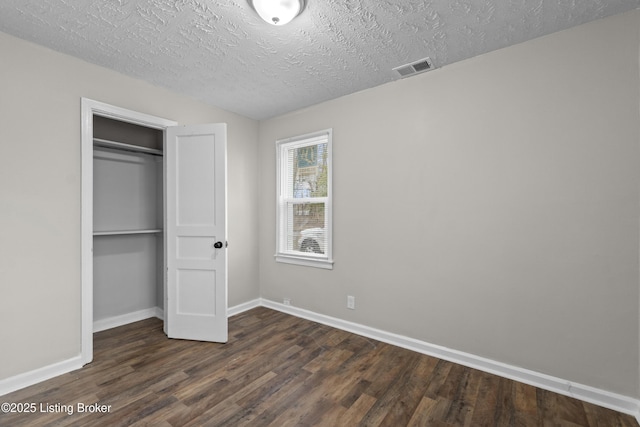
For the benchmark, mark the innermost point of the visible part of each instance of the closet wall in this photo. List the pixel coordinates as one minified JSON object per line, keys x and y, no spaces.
{"x":127,"y":210}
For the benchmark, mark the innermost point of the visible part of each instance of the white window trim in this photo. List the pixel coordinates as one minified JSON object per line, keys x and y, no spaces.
{"x":295,"y":257}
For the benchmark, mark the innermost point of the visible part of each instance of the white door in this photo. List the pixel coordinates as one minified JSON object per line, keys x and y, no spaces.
{"x":195,"y":232}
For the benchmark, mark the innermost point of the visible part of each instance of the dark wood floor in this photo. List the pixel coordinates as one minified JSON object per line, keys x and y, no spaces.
{"x":279,"y":370}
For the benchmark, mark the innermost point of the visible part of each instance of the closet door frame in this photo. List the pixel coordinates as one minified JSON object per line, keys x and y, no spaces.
{"x":89,"y":108}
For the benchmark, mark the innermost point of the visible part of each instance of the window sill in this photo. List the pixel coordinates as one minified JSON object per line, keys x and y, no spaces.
{"x":304,"y":261}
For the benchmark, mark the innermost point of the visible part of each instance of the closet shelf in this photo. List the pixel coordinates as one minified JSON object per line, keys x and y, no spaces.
{"x":128,"y":147}
{"x":127,"y":232}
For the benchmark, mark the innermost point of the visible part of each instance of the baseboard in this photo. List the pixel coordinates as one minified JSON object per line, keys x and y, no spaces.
{"x":241,"y":308}
{"x":124,"y":319}
{"x":27,"y":379}
{"x":617,"y":402}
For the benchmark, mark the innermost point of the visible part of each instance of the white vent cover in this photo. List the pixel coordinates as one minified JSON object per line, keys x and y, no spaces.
{"x":416,"y":67}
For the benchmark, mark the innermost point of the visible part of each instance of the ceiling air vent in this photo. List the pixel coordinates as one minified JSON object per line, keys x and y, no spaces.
{"x":416,"y":67}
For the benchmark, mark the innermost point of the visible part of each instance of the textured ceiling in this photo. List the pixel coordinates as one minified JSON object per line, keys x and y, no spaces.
{"x":220,"y":51}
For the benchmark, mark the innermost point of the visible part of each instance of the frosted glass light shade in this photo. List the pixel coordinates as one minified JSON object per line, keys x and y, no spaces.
{"x":277,"y":12}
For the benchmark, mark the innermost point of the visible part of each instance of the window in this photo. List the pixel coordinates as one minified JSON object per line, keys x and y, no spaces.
{"x":303,"y":229}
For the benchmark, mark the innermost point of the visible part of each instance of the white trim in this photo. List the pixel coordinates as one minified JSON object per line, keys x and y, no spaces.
{"x":11,"y":384}
{"x":307,"y":262}
{"x":607,"y":399}
{"x":89,"y":108}
{"x":284,"y":255}
{"x":27,"y":379}
{"x":125,"y":319}
{"x":241,"y":308}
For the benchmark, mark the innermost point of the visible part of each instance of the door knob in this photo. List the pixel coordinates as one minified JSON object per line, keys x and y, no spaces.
{"x":217,"y":245}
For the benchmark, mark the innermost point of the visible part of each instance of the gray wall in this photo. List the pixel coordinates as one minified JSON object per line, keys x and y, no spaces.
{"x":40,"y":308}
{"x":490,"y":206}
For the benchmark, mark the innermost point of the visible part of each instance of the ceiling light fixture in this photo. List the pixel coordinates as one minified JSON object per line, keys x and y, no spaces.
{"x":277,"y":12}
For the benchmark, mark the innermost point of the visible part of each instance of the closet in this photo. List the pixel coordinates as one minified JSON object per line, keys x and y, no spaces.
{"x":128,"y":250}
{"x":153,"y":224}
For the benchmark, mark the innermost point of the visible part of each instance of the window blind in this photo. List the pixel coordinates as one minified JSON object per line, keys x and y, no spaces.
{"x":304,"y":196}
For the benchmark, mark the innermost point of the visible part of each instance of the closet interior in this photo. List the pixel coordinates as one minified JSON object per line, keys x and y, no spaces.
{"x":128,"y":252}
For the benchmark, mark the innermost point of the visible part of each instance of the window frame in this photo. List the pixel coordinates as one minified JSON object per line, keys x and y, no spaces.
{"x":297,"y":257}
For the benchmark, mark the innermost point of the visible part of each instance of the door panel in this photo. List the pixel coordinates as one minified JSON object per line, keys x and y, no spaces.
{"x":196,"y":292}
{"x":195,"y":161}
{"x":197,"y":205}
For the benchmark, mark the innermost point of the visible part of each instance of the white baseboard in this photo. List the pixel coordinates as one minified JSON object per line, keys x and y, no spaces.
{"x":124,"y":319}
{"x":27,"y":379}
{"x":607,"y":399}
{"x":241,"y":308}
{"x":617,"y":402}
{"x":17,"y":382}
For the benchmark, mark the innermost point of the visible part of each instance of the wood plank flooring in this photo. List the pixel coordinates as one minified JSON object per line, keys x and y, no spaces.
{"x":279,"y":370}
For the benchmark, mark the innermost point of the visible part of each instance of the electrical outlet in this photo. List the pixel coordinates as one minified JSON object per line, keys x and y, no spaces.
{"x":351,"y":302}
{"x":287,"y":301}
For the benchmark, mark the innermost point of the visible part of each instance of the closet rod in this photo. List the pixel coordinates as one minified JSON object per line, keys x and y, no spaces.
{"x":127,"y":147}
